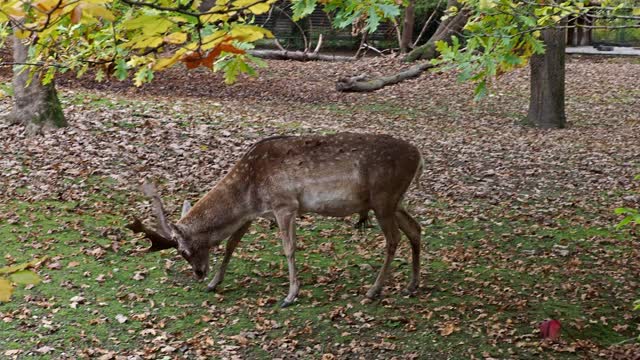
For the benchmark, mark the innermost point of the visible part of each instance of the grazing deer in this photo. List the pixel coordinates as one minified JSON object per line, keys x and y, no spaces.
{"x":283,"y":176}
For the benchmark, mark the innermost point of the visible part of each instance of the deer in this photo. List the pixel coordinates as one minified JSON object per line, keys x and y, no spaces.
{"x":282,"y":177}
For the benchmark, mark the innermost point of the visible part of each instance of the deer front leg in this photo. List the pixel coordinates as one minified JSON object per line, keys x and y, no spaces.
{"x":286,"y":222}
{"x":232,"y":243}
{"x":391,"y":232}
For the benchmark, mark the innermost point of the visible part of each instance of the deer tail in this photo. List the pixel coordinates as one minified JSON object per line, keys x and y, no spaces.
{"x":416,"y":176}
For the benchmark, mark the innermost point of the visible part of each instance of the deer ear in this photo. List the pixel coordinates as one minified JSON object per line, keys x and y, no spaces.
{"x":186,"y":206}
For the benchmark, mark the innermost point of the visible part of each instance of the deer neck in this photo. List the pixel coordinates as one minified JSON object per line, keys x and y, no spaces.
{"x":222,"y":210}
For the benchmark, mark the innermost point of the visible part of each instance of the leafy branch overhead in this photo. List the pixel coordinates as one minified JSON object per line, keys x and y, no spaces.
{"x":501,"y":35}
{"x":135,"y":38}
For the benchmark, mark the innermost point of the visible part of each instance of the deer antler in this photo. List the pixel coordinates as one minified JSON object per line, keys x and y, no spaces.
{"x":158,"y":242}
{"x":158,"y":210}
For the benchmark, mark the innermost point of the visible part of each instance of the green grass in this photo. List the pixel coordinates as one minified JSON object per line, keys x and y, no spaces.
{"x":476,"y":278}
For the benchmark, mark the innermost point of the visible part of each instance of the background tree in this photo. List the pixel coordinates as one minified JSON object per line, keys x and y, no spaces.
{"x":130,"y":38}
{"x":134,"y":39}
{"x":36,"y":105}
{"x":482,"y":39}
{"x":408,"y":21}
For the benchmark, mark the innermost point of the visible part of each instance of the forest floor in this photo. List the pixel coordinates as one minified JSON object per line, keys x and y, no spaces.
{"x":518,"y":223}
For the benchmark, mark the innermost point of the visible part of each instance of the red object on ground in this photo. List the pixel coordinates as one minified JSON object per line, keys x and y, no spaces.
{"x":550,"y":329}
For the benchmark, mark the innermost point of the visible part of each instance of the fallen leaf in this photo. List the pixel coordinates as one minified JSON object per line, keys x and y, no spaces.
{"x":45,"y":349}
{"x":550,"y":329}
{"x":121,"y":318}
{"x":6,"y":289}
{"x":448,"y":329}
{"x":54,"y":266}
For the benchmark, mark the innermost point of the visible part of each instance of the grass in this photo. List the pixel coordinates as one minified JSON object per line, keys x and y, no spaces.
{"x":477,"y":279}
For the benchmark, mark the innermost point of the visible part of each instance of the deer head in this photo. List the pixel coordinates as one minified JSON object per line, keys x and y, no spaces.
{"x":169,"y":235}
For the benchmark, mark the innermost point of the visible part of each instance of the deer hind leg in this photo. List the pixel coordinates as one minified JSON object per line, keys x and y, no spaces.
{"x":286,"y":222}
{"x":411,"y":228}
{"x":232,"y":243}
{"x":363,"y":222}
{"x":389,"y":225}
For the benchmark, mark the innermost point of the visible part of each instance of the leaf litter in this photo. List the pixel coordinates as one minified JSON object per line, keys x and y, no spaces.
{"x":515,"y":219}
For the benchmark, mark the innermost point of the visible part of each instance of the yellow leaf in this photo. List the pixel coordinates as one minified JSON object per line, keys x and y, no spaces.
{"x":260,"y":8}
{"x":20,"y":34}
{"x":145,"y":42}
{"x":46,"y":5}
{"x":164,"y":63}
{"x":249,"y":33}
{"x":210,"y":41}
{"x":212,"y":18}
{"x":149,"y":24}
{"x":243,"y":3}
{"x":176,"y":38}
{"x":6,"y":289}
{"x":486,"y":4}
{"x":95,"y":10}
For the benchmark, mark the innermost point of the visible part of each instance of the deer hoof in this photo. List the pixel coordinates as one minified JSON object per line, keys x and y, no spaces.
{"x":211,"y":288}
{"x":411,"y":292}
{"x":373,"y":294}
{"x":285,"y":303}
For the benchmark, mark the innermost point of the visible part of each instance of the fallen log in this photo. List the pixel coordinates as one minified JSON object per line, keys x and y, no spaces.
{"x":298,"y":55}
{"x":362,"y":83}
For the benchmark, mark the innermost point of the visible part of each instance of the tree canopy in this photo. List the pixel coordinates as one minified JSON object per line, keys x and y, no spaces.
{"x":503,"y":34}
{"x":138,"y":38}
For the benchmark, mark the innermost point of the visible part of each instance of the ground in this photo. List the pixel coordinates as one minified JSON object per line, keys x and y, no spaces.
{"x":518,"y":223}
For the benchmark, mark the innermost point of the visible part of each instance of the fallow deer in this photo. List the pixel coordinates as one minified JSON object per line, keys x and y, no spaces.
{"x":284,"y":176}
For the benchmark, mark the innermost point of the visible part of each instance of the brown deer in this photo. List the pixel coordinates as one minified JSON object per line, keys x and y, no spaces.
{"x":283,"y":176}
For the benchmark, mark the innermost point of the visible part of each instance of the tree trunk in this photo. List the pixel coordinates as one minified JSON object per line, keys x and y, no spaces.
{"x":445,"y":31}
{"x":36,"y":106}
{"x":407,"y":27}
{"x":546,"y":105}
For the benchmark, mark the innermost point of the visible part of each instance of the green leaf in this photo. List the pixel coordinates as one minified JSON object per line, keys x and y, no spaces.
{"x":623,"y":210}
{"x":25,"y":277}
{"x":302,"y":8}
{"x":389,"y":10}
{"x":121,"y":71}
{"x":100,"y":75}
{"x":624,"y":222}
{"x":48,"y":75}
{"x":481,"y":90}
{"x":373,"y":20}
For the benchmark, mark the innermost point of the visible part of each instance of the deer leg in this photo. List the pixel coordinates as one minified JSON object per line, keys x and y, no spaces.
{"x":232,"y":243}
{"x":363,"y":222}
{"x":389,"y":225}
{"x":411,"y":228}
{"x":286,"y":222}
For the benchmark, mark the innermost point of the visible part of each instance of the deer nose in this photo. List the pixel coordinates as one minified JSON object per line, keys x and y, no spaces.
{"x":199,"y":274}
